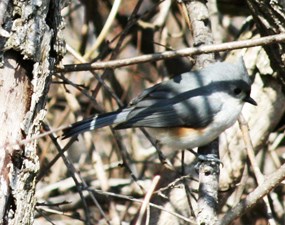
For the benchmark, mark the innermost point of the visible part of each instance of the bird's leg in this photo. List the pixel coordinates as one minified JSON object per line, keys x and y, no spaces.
{"x":205,"y":158}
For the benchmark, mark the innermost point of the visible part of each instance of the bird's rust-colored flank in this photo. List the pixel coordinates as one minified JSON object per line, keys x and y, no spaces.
{"x":185,"y":131}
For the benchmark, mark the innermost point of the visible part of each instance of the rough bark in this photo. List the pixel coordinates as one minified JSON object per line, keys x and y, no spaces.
{"x":29,"y":50}
{"x":208,"y":171}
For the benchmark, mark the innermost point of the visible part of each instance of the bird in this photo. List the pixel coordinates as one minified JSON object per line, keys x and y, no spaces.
{"x":187,"y":111}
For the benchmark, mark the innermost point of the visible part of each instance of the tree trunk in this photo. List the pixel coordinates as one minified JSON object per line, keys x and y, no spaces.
{"x":30,"y":45}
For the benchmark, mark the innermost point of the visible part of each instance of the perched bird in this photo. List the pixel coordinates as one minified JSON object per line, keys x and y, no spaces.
{"x":188,"y":111}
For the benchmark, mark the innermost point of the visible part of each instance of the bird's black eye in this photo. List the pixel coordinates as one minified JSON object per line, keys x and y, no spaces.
{"x":237,"y":91}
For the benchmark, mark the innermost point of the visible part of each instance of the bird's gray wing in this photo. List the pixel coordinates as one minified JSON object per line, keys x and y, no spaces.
{"x":173,"y":104}
{"x":167,"y":89}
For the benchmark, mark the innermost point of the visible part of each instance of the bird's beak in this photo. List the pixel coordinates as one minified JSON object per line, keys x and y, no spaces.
{"x":250,"y":100}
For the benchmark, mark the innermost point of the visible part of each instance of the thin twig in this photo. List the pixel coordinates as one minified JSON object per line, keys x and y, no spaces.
{"x":250,"y":152}
{"x":176,"y":53}
{"x":72,"y":173}
{"x":263,"y":189}
{"x":147,"y":199}
{"x":174,"y":183}
{"x":249,"y":147}
{"x":130,"y":198}
{"x":100,"y":80}
{"x":105,"y":29}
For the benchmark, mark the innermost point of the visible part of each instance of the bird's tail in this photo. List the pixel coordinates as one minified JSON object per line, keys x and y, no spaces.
{"x":95,"y":122}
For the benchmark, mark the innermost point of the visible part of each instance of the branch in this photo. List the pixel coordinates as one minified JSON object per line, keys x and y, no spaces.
{"x":263,"y":189}
{"x":250,"y":152}
{"x":171,"y":54}
{"x":208,"y":171}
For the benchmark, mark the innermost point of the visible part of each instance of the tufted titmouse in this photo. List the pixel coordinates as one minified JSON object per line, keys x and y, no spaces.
{"x":188,"y":111}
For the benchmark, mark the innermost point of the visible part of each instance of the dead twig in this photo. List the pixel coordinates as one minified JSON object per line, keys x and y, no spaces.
{"x":272,"y":39}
